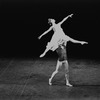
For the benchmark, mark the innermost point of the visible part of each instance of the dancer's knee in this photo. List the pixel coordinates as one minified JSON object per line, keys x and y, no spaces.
{"x":67,"y":71}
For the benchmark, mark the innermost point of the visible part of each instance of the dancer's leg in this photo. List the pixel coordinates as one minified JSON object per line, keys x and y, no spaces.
{"x":46,"y":50}
{"x":43,"y":54}
{"x":67,"y":73}
{"x":55,"y":72}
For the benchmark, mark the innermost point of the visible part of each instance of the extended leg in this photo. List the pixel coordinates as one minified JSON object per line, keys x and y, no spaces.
{"x":43,"y":54}
{"x":46,"y":50}
{"x":55,"y":72}
{"x":67,"y":73}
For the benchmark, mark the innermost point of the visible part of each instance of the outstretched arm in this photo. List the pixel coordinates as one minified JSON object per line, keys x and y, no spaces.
{"x":45,"y":32}
{"x":65,"y":19}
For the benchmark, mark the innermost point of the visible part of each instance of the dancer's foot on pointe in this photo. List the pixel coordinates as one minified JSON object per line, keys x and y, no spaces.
{"x":68,"y":84}
{"x":50,"y":82}
{"x":42,"y":55}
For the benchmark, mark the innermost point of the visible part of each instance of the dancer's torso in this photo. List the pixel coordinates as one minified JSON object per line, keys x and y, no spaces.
{"x":58,"y":33}
{"x":58,"y":37}
{"x":61,"y":51}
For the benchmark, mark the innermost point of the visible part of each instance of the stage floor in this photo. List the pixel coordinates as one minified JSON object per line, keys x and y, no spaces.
{"x":27,"y":79}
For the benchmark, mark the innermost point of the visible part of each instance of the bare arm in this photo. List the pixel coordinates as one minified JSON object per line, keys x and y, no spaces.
{"x":45,"y":32}
{"x":65,"y":19}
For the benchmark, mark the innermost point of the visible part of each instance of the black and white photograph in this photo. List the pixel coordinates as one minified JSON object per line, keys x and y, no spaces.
{"x":49,"y":50}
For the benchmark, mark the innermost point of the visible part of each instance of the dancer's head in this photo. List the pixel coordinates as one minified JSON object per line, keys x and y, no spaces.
{"x":51,"y":21}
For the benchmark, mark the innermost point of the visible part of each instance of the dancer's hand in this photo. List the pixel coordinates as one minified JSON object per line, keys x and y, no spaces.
{"x":71,"y":15}
{"x":39,"y":37}
{"x":84,"y":42}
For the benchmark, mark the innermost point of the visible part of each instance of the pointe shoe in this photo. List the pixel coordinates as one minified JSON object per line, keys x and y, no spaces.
{"x":68,"y":84}
{"x":50,"y":82}
{"x":42,"y":55}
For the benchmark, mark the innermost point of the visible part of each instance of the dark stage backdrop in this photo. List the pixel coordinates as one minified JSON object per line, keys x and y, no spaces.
{"x":22,"y":21}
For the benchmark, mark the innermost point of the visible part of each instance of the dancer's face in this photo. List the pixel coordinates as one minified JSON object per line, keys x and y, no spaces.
{"x":51,"y":21}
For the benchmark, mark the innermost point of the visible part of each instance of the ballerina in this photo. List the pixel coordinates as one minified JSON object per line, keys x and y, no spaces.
{"x":58,"y":34}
